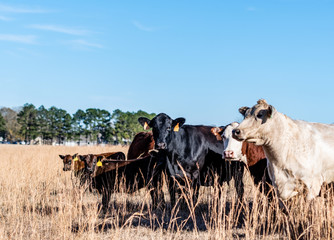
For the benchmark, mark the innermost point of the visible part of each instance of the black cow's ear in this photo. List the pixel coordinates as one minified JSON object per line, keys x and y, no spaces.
{"x":222,"y":129}
{"x":62,"y":156}
{"x":177,"y":123}
{"x":243,"y":110}
{"x":81,"y":157}
{"x":218,"y":131}
{"x":75,"y":155}
{"x":145,"y":122}
{"x":270,"y":111}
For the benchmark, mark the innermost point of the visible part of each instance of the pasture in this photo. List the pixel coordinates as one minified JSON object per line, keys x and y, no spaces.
{"x":40,"y":201}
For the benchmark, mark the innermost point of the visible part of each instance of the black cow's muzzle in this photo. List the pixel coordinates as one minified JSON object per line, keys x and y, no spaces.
{"x":161,"y":145}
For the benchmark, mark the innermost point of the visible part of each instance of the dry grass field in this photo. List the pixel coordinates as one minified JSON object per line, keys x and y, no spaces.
{"x":40,"y":201}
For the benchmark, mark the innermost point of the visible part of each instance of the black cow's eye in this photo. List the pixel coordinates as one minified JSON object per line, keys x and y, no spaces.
{"x":259,"y":115}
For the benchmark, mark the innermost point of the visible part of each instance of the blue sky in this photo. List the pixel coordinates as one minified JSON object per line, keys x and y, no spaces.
{"x":201,"y":60}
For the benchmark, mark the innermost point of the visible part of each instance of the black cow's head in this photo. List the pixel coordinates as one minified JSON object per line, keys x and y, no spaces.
{"x":163,"y":128}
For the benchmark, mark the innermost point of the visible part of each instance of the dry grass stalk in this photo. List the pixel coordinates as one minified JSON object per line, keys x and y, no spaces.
{"x":40,"y":201}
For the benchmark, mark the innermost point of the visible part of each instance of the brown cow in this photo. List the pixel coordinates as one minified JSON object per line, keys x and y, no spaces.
{"x":143,"y":172}
{"x":89,"y":159}
{"x":67,"y":161}
{"x":141,"y":145}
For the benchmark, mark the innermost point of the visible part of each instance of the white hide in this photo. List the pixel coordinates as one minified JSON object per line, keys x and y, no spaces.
{"x":297,"y":152}
{"x":232,"y":145}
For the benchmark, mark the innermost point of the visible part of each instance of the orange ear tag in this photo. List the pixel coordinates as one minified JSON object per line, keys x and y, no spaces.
{"x":75,"y":159}
{"x":177,"y":127}
{"x":99,"y":164}
{"x":146,"y":126}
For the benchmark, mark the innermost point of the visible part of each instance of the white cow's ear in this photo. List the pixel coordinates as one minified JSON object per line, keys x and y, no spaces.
{"x":243,"y":110}
{"x":271,"y":111}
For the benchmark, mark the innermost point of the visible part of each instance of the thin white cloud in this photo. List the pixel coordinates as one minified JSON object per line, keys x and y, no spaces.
{"x":84,"y":43}
{"x":12,"y":9}
{"x":59,"y":29}
{"x":6,"y":19}
{"x":27,"y":39}
{"x":142,"y":27}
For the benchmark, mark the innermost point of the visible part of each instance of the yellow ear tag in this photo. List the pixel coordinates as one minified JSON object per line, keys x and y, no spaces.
{"x":177,"y":127}
{"x":99,"y":164}
{"x":75,"y":159}
{"x":146,"y":126}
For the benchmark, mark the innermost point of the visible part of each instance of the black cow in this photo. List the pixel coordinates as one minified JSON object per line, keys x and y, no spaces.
{"x":136,"y":173}
{"x":192,"y":153}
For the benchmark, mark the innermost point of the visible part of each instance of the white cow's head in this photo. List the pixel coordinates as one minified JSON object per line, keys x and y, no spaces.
{"x":256,"y":123}
{"x":232,"y":147}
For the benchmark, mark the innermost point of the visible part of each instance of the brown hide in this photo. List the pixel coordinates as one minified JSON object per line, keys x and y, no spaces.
{"x":110,"y":164}
{"x":257,"y":163}
{"x":142,"y":143}
{"x":253,"y":153}
{"x":112,"y":155}
{"x":78,"y":165}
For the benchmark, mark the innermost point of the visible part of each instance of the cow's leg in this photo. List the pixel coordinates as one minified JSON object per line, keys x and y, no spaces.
{"x":195,"y":185}
{"x":106,"y":194}
{"x":172,"y":192}
{"x":313,"y":186}
{"x":238,"y":173}
{"x":156,"y":192}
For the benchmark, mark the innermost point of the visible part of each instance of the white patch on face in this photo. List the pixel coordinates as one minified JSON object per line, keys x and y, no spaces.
{"x":232,"y":147}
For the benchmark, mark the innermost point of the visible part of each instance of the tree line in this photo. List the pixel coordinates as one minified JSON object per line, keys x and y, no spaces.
{"x":55,"y":125}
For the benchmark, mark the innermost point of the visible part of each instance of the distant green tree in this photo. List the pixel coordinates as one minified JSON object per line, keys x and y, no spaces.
{"x":96,"y":124}
{"x":12,"y":126}
{"x":43,"y":125}
{"x":126,"y":124}
{"x":60,"y":124}
{"x":27,"y":118}
{"x":102,"y":125}
{"x":3,"y":128}
{"x":78,"y":127}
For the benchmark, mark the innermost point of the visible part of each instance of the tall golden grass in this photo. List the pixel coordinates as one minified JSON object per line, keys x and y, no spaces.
{"x":40,"y":201}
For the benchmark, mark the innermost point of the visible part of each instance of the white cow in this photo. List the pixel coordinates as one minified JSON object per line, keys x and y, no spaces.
{"x":297,"y":151}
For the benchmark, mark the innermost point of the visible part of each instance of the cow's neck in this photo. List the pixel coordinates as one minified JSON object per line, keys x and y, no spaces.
{"x":276,"y":139}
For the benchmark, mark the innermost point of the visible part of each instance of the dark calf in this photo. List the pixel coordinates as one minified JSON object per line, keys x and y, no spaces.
{"x":139,"y":173}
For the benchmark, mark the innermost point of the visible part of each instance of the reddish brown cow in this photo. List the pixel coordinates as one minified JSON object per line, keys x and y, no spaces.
{"x":142,"y":143}
{"x":248,"y":153}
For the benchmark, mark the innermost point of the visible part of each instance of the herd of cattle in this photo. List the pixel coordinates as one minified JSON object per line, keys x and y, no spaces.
{"x":290,"y":155}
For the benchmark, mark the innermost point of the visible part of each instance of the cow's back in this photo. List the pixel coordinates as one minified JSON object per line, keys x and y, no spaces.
{"x":142,"y":143}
